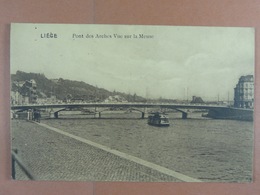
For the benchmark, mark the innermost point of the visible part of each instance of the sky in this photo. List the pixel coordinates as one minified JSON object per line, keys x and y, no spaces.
{"x":173,"y":62}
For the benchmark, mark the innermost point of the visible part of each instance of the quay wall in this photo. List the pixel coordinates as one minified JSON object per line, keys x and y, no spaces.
{"x":231,"y":113}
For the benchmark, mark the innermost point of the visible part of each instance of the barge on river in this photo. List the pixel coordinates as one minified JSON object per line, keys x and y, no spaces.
{"x":158,"y":119}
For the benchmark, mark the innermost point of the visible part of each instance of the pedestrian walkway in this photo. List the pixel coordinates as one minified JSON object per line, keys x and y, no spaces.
{"x":139,"y":161}
{"x":57,"y":155}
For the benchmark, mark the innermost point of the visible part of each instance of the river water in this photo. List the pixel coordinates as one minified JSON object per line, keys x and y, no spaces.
{"x":206,"y":149}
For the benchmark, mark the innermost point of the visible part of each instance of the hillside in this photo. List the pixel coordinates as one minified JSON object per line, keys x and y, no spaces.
{"x":67,"y":89}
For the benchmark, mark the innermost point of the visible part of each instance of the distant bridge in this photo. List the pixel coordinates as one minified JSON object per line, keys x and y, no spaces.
{"x":214,"y":111}
{"x":119,"y":104}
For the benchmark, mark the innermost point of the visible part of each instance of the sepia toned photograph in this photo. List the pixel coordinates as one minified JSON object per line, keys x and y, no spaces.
{"x":132,"y":103}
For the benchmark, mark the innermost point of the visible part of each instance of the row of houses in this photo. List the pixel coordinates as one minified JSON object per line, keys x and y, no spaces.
{"x":24,"y":92}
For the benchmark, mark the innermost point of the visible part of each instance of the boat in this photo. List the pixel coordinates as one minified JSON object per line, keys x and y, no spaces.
{"x":158,"y":119}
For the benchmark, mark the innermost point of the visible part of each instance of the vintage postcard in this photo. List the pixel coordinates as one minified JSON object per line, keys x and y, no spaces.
{"x":132,"y":103}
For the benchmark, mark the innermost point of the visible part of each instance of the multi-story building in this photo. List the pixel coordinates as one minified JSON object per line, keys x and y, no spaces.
{"x":31,"y":91}
{"x":244,"y":92}
{"x":24,"y":93}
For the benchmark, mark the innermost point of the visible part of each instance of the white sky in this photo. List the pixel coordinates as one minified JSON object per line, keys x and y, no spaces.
{"x":176,"y":62}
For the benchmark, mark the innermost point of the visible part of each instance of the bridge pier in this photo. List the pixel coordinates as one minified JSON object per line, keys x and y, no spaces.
{"x":97,"y":115}
{"x":144,"y":115}
{"x":184,"y":115}
{"x":51,"y":114}
{"x":54,"y":114}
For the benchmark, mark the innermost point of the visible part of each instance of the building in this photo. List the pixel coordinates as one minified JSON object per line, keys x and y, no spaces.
{"x":244,"y":92}
{"x":197,"y":100}
{"x":115,"y":98}
{"x":29,"y":90}
{"x":24,"y":92}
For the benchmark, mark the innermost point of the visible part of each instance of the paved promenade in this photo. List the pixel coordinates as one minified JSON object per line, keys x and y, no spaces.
{"x":54,"y":155}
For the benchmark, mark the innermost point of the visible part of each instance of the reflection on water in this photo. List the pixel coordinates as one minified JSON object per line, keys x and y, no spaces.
{"x":211,"y":150}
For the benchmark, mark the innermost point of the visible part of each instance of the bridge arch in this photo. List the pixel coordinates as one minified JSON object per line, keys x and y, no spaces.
{"x":55,"y":114}
{"x":184,"y":114}
{"x":128,"y":109}
{"x":143,"y":112}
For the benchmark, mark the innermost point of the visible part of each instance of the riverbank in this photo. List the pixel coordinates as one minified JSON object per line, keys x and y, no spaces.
{"x":52,"y":156}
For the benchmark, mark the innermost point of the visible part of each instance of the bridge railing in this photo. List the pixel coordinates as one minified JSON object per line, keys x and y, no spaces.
{"x":103,"y":104}
{"x":26,"y":170}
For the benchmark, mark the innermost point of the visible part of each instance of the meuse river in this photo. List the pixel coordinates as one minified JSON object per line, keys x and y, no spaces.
{"x":206,"y":149}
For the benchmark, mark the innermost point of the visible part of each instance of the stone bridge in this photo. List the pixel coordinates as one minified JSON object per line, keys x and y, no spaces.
{"x":214,"y":111}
